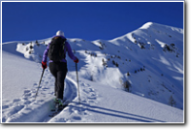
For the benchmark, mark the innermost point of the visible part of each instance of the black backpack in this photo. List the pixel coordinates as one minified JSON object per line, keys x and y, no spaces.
{"x":56,"y":49}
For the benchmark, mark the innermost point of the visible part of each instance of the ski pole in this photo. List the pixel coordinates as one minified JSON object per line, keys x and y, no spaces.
{"x":39,"y":83}
{"x":77,"y":81}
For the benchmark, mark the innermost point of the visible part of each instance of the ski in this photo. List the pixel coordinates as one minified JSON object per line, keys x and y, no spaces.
{"x":57,"y":109}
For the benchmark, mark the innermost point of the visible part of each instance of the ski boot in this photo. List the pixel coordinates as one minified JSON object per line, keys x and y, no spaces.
{"x":59,"y":104}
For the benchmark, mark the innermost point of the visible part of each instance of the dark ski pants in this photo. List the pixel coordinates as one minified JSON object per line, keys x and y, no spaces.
{"x":59,"y":71}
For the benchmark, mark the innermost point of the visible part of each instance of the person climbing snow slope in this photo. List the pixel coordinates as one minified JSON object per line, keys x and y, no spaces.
{"x":56,"y":51}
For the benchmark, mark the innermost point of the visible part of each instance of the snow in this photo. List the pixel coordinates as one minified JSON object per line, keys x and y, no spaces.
{"x":0,"y":82}
{"x":146,"y":25}
{"x":162,"y":44}
{"x":154,"y":74}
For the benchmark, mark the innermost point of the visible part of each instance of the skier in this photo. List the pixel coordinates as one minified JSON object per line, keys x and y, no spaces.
{"x":56,"y":51}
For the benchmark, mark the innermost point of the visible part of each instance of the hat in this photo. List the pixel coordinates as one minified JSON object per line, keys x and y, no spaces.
{"x":60,"y":33}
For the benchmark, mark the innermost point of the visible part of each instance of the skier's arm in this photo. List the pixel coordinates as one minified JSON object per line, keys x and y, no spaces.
{"x":69,"y":50}
{"x":44,"y":59}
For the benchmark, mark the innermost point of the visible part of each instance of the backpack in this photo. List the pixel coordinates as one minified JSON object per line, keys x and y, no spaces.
{"x":56,"y":49}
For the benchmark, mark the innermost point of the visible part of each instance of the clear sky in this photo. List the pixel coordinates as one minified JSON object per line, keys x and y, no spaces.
{"x":23,"y":21}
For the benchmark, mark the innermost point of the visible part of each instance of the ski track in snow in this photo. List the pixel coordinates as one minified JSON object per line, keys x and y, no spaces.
{"x":78,"y":111}
{"x":27,"y":109}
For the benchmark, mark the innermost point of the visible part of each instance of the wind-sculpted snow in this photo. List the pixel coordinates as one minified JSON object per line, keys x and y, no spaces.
{"x":137,"y":77}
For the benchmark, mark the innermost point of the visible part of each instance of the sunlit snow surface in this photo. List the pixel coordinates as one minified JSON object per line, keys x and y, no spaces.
{"x":149,"y":58}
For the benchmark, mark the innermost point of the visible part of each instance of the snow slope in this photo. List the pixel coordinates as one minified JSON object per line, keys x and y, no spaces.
{"x":0,"y":83}
{"x":148,"y":60}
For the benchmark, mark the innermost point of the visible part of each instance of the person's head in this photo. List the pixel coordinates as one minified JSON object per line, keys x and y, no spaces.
{"x":60,"y":33}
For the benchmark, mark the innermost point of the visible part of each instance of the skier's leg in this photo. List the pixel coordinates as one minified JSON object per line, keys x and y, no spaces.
{"x":55,"y":88}
{"x":61,"y":75}
{"x":53,"y":70}
{"x":60,"y":85}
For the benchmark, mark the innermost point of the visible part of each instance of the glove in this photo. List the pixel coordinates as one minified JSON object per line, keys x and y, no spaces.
{"x":76,"y":61}
{"x":44,"y":65}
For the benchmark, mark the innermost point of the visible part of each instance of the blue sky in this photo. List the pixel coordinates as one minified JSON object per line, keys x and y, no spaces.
{"x":26,"y":21}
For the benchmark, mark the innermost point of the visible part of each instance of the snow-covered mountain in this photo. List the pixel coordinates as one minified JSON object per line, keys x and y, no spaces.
{"x":137,"y":77}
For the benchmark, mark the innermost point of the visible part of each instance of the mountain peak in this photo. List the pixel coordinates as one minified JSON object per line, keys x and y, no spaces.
{"x":146,"y":25}
{"x":152,"y":24}
{"x":157,"y":25}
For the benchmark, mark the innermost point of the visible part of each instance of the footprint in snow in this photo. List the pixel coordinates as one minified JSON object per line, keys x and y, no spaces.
{"x":27,"y":102}
{"x":44,"y":89}
{"x":5,"y":106}
{"x":35,"y":84}
{"x":85,"y":85}
{"x":88,"y":90}
{"x":16,"y":100}
{"x":77,"y":118}
{"x":27,"y":93}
